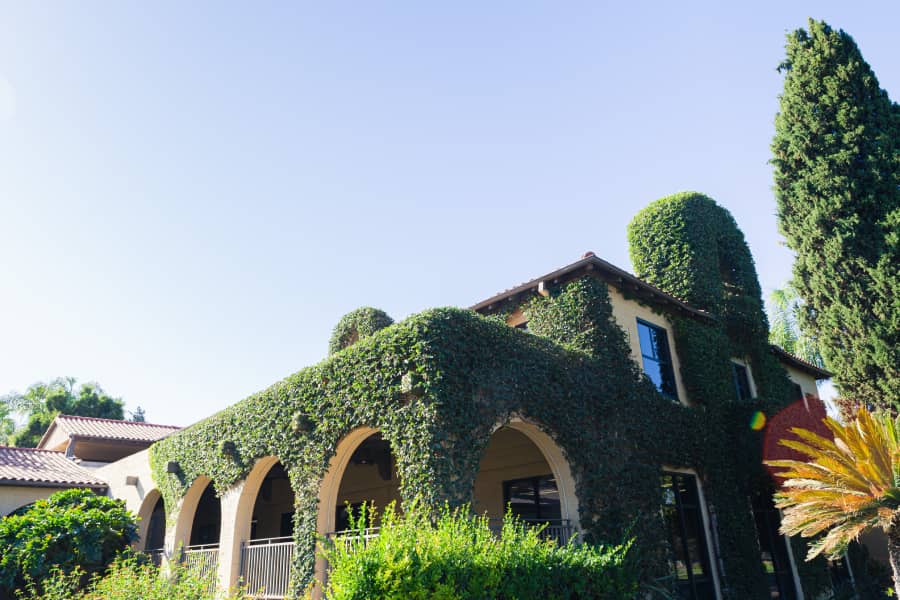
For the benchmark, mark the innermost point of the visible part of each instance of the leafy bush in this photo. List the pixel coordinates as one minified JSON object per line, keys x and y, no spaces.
{"x":457,"y":557}
{"x":72,"y":529}
{"x":128,"y":578}
{"x":356,"y":325}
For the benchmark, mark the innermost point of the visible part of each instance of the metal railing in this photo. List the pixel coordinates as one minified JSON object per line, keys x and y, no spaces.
{"x":202,"y":559}
{"x":156,"y":556}
{"x":560,"y":531}
{"x":350,"y":536}
{"x":266,"y":567}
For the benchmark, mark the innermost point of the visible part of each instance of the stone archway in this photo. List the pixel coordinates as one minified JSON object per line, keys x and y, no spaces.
{"x":523,"y":468}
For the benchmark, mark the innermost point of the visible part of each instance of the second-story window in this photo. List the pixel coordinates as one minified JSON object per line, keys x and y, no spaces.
{"x":741,"y":381}
{"x":656,"y":358}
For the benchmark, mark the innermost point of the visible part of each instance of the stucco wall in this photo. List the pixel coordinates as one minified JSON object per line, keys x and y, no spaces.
{"x":362,"y":483}
{"x":806,"y":382}
{"x":13,"y":497}
{"x":139,"y":498}
{"x":137,"y":465}
{"x":627,"y":312}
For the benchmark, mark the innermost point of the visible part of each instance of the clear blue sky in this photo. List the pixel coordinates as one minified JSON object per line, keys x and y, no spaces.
{"x":192,"y":194}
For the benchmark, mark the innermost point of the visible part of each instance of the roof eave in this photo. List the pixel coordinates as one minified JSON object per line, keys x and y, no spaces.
{"x":52,"y":484}
{"x":46,"y":436}
{"x":617,"y":276}
{"x":800,"y":364}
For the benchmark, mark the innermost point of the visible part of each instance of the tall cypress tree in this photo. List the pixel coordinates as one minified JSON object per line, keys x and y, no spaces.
{"x":837,"y":184}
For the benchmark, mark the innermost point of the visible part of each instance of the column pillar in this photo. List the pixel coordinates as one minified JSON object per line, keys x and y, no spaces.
{"x":235,"y":531}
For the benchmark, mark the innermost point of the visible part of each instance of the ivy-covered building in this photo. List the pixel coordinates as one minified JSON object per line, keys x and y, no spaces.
{"x":601,"y":403}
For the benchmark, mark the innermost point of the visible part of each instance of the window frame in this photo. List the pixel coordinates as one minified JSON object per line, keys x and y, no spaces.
{"x":738,"y":367}
{"x":668,"y":365}
{"x":709,"y":540}
{"x":535,"y":480}
{"x":788,"y":571}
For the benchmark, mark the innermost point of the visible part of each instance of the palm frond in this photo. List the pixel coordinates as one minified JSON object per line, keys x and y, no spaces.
{"x":849,"y":483}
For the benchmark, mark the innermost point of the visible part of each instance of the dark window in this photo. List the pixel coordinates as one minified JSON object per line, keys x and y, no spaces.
{"x":345,"y":516}
{"x":773,"y":549}
{"x":741,"y":382}
{"x":533,"y":499}
{"x":798,"y":392}
{"x":286,"y":527}
{"x":657,"y":359}
{"x":687,"y":536}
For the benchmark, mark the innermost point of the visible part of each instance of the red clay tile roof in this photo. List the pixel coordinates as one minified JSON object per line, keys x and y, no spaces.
{"x":45,"y":468}
{"x":798,"y":363}
{"x":110,"y":429}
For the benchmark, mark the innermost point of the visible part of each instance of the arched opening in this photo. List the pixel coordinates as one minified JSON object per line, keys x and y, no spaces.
{"x":369,"y":478}
{"x":207,"y":520}
{"x":199,"y":526}
{"x":523,"y":470}
{"x":362,"y":470}
{"x":266,"y":538}
{"x":152,"y":526}
{"x":273,"y":511}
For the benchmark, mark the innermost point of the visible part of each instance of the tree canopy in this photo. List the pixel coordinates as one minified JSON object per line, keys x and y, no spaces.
{"x":836,"y":154}
{"x":42,"y":401}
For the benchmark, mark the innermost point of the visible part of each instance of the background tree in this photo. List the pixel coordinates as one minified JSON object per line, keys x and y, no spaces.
{"x":785,"y":308}
{"x":73,"y":528}
{"x":837,"y":183}
{"x":42,"y":401}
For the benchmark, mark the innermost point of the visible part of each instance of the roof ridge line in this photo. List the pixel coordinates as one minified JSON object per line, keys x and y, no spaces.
{"x":142,"y":423}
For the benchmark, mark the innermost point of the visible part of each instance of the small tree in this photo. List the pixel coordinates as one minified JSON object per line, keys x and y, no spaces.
{"x":849,"y":484}
{"x":70,"y":529}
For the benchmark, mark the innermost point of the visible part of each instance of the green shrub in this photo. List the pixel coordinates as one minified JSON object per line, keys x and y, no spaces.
{"x":356,"y":325}
{"x":72,"y":529}
{"x":128,"y":578}
{"x":457,"y":557}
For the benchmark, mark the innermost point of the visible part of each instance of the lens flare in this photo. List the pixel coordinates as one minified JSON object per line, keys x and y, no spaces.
{"x":757,"y":421}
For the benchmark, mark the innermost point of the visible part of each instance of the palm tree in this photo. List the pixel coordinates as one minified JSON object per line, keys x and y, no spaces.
{"x":786,"y":309}
{"x":848,"y":485}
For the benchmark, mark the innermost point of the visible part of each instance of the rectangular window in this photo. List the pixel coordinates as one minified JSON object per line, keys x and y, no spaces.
{"x":798,"y":391}
{"x":773,"y":549}
{"x":533,"y":498}
{"x":657,"y":360}
{"x":683,"y":518}
{"x":741,"y":382}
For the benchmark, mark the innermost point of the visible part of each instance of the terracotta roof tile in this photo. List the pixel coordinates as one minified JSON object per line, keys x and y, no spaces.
{"x":111,"y":429}
{"x":799,"y":363}
{"x":28,"y":466}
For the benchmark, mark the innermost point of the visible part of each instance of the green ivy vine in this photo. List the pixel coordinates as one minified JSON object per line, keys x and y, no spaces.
{"x":436,"y":384}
